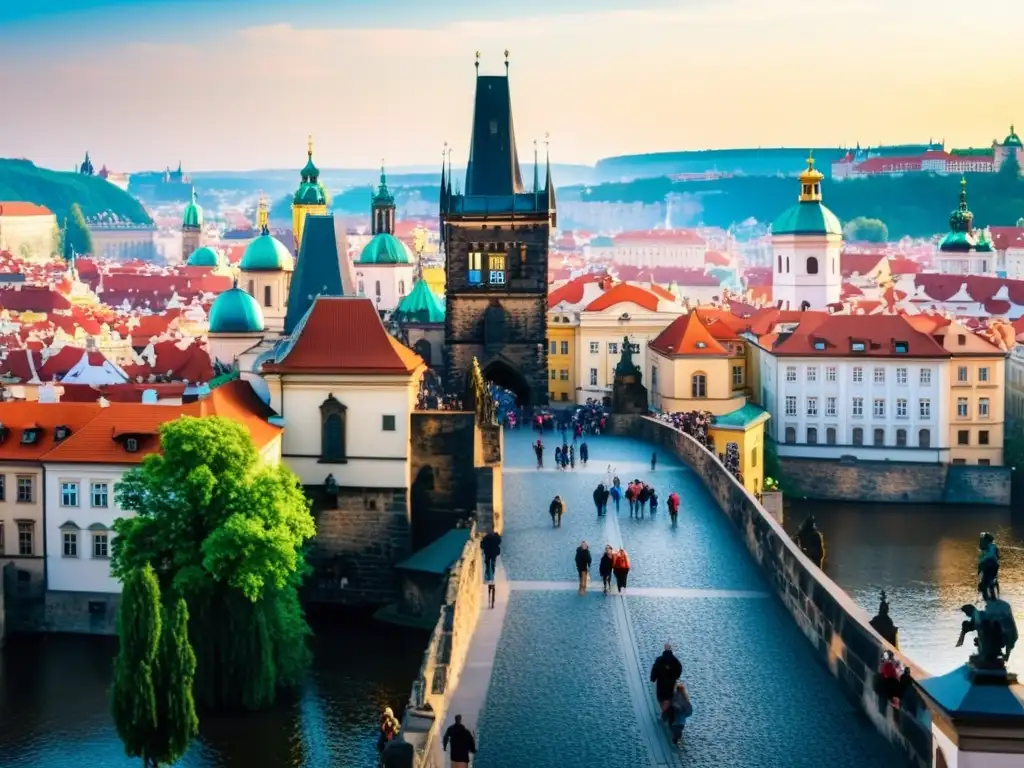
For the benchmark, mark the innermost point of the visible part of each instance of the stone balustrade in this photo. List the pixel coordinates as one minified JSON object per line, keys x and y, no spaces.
{"x":838,"y":629}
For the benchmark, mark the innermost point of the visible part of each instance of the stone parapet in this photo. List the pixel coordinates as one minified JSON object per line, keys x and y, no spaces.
{"x":838,"y":629}
{"x":442,"y":661}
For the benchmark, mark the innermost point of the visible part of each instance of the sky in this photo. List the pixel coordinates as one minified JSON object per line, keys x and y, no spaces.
{"x":238,"y":84}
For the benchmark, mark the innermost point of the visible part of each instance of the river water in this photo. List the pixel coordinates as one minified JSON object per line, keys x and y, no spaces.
{"x":54,"y":711}
{"x":925,"y":558}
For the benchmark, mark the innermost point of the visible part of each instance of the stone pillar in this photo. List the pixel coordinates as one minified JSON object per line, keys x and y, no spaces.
{"x":772,"y":503}
{"x":977,"y":718}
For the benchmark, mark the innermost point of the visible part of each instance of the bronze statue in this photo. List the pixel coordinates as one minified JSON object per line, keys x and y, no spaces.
{"x":331,"y":492}
{"x":988,"y":567}
{"x":626,"y":366}
{"x":883,"y":624}
{"x":997,"y":633}
{"x":811,"y":542}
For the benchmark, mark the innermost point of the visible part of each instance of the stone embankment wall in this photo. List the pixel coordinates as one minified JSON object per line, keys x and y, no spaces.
{"x":837,"y":628}
{"x":442,"y":661}
{"x":896,"y":482}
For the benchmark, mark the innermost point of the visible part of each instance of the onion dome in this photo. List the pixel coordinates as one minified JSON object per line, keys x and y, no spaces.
{"x":1012,"y":140}
{"x":193,"y":218}
{"x":266,"y":253}
{"x":235,"y":311}
{"x":962,"y":236}
{"x":809,"y":216}
{"x":385,"y":249}
{"x":204,"y":257}
{"x":421,"y":306}
{"x":310,"y":191}
{"x":383,"y":196}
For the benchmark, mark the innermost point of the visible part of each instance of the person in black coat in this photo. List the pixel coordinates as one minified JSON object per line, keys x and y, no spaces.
{"x":491,"y":546}
{"x":605,"y":567}
{"x":584,"y":453}
{"x":583,"y":561}
{"x":665,"y":672}
{"x":601,"y":499}
{"x":461,"y":741}
{"x":557,"y":509}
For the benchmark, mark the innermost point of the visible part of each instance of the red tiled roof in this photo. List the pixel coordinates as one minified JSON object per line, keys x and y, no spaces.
{"x":17,"y":366}
{"x":572,"y":291}
{"x":757,"y":276}
{"x":16,"y":416}
{"x":623,"y":293}
{"x":1007,"y":237}
{"x":716,"y":259}
{"x":859,"y":263}
{"x":902,"y":266}
{"x":32,"y":298}
{"x":23,"y":209}
{"x":345,"y":335}
{"x":879,"y":333}
{"x":118,"y":393}
{"x":687,"y":335}
{"x":57,"y":365}
{"x":850,"y":290}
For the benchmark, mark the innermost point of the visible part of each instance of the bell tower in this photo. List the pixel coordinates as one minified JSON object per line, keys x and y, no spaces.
{"x":310,"y":197}
{"x":382,"y":208}
{"x":191,"y":227}
{"x":496,"y":236}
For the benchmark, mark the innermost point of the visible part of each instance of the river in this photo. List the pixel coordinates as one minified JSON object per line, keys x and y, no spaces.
{"x":925,"y":558}
{"x":54,"y":711}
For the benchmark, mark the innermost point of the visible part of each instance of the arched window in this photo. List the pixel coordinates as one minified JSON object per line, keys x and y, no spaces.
{"x":267,"y":295}
{"x":787,"y":265}
{"x":698,"y":386}
{"x":812,"y":265}
{"x":362,"y":289}
{"x":401,"y":287}
{"x":812,"y":435}
{"x":780,"y":263}
{"x":252,"y":288}
{"x":879,"y":437}
{"x":790,"y":434}
{"x":333,"y":417}
{"x":924,"y":439}
{"x":858,"y":436}
{"x":901,"y":438}
{"x":830,"y":435}
{"x":378,"y":287}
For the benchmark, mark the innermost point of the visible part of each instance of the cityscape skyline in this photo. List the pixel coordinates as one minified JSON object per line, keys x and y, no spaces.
{"x":229,"y":86}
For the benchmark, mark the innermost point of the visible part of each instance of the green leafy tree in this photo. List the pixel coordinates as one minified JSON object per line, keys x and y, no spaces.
{"x":226,"y":532}
{"x":865,"y":230}
{"x":133,"y":696}
{"x":77,"y":234}
{"x":177,"y":723}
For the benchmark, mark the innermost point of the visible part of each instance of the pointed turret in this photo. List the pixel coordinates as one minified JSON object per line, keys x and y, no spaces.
{"x":310,"y":197}
{"x":318,"y":272}
{"x":549,"y":189}
{"x":442,"y":207}
{"x":493,"y":168}
{"x":86,"y":168}
{"x":382,"y":207}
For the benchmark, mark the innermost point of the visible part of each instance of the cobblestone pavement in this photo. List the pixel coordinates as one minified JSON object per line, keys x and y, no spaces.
{"x":570,"y":680}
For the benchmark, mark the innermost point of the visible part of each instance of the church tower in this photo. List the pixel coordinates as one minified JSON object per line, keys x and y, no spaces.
{"x":496,"y":238}
{"x":806,"y":241}
{"x":310,"y":197}
{"x":382,"y":208}
{"x":191,"y":228}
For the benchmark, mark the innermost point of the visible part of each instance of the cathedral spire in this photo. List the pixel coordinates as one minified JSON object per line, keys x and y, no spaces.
{"x":493,"y":167}
{"x":549,"y":187}
{"x":536,"y":175}
{"x":382,"y":207}
{"x":310,"y":173}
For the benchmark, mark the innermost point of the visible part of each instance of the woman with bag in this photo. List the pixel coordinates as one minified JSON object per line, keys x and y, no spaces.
{"x":620,"y":567}
{"x":682,"y":708}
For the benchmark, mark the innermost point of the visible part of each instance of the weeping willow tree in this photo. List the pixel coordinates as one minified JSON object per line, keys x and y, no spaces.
{"x":225,"y":531}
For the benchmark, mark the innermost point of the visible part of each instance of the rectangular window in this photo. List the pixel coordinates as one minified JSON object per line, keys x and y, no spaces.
{"x":858,"y":375}
{"x":983,"y":407}
{"x":593,"y":377}
{"x":812,"y":374}
{"x":476,"y":261}
{"x":25,"y":490}
{"x":901,"y":408}
{"x":983,"y":437}
{"x":70,"y":543}
{"x":924,"y":408}
{"x":554,"y":348}
{"x":983,"y":375}
{"x":926,"y":377}
{"x":901,"y":375}
{"x":613,"y":348}
{"x":830,"y":406}
{"x":69,"y":494}
{"x":879,"y":375}
{"x":790,"y":373}
{"x":595,"y":347}
{"x":3,"y":489}
{"x":496,"y":268}
{"x":812,"y":406}
{"x":790,"y":405}
{"x":25,"y":537}
{"x":563,"y":374}
{"x":737,"y":375}
{"x":100,"y":495}
{"x":858,"y":407}
{"x":387,"y":423}
{"x":564,"y":347}
{"x":963,"y":437}
{"x":961,"y":407}
{"x":830,"y":373}
{"x":554,"y":374}
{"x":961,"y":374}
{"x":879,"y":408}
{"x":99,"y":545}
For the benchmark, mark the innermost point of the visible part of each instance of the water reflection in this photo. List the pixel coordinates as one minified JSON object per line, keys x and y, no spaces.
{"x":925,"y":558}
{"x":54,"y":709}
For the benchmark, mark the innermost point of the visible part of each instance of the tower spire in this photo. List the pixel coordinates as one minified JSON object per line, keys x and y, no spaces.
{"x":262,"y":215}
{"x":536,"y":174}
{"x":506,"y":63}
{"x":309,"y":146}
{"x":476,"y":64}
{"x":549,"y":187}
{"x":810,"y":182}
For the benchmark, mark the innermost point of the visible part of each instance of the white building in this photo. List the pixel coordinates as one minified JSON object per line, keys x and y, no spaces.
{"x":29,"y":231}
{"x":806,"y":242}
{"x":681,"y":248}
{"x":385,"y":268}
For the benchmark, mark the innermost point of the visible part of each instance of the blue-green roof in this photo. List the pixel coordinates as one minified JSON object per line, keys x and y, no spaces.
{"x":809,"y":218}
{"x":193,"y":216}
{"x":266,"y":254}
{"x":384,"y":249}
{"x":601,"y":242}
{"x":742,"y":418}
{"x":235,"y":311}
{"x":310,"y":193}
{"x":420,"y":306}
{"x":439,"y":556}
{"x":204,"y":257}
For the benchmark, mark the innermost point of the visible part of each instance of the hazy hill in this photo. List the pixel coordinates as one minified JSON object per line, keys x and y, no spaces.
{"x":59,"y":190}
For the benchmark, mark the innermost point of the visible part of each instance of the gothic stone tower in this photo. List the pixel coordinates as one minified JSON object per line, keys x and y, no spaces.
{"x":496,"y":242}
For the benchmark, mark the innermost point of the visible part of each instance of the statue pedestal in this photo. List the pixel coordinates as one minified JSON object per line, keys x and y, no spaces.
{"x":977,"y":718}
{"x":629,"y":396}
{"x":772,"y":503}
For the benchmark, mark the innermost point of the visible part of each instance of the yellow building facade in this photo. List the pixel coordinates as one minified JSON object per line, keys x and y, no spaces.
{"x":977,"y":409}
{"x":562,"y":332}
{"x":745,"y":427}
{"x":310,"y":197}
{"x":434,"y":277}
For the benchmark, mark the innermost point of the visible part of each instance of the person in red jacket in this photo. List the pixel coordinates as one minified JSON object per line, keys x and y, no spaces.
{"x":673,"y":506}
{"x":620,"y":567}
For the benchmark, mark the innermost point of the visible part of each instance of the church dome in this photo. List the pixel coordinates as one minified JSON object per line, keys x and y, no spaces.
{"x":266,"y":254}
{"x":1012,"y":140}
{"x":235,"y":311}
{"x":809,"y":218}
{"x":385,"y":249}
{"x":204,"y":257}
{"x":310,"y":191}
{"x":421,"y":306}
{"x":193,"y":217}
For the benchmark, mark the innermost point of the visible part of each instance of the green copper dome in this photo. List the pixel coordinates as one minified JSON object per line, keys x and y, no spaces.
{"x":235,"y":311}
{"x":807,"y":218}
{"x":266,"y":254}
{"x":310,"y":191}
{"x":962,"y":235}
{"x":420,"y":306}
{"x":384,"y":249}
{"x":1013,"y":140}
{"x":204,"y":257}
{"x":193,"y":218}
{"x":383,"y":196}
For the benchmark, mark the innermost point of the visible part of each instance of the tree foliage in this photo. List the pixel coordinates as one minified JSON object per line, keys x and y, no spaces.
{"x":865,"y":230}
{"x":226,"y":532}
{"x":177,"y":723}
{"x":77,"y":236}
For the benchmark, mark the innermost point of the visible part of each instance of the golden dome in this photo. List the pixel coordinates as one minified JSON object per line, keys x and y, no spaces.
{"x":810,"y":182}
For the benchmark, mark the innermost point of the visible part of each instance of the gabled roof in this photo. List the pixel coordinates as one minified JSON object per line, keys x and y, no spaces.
{"x":318,"y":272}
{"x":344,"y":334}
{"x":687,"y":335}
{"x":871,"y":336}
{"x":862,"y":264}
{"x":624,"y":293}
{"x":17,"y":416}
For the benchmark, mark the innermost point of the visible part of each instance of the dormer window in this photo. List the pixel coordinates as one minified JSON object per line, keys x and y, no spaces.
{"x":857,"y":346}
{"x":819,"y":345}
{"x":961,"y":339}
{"x":702,"y":345}
{"x":3,"y":432}
{"x":29,"y":436}
{"x":131,"y":444}
{"x":902,"y":347}
{"x":61,"y":433}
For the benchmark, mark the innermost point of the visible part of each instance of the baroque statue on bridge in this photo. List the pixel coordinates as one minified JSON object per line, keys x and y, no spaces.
{"x":994,"y":624}
{"x":626,"y":366}
{"x":988,"y":567}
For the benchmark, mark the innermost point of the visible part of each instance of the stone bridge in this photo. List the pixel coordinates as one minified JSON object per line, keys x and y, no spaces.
{"x":553,"y":678}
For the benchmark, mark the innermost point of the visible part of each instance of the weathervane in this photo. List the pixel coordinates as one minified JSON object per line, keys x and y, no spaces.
{"x":506,"y":62}
{"x":477,"y":62}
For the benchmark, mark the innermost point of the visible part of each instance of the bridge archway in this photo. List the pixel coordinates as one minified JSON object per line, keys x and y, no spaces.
{"x":505,"y":376}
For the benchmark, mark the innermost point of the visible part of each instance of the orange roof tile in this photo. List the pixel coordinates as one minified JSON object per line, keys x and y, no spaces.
{"x":687,"y":335}
{"x":623,"y":293}
{"x":344,"y":334}
{"x":23,"y":209}
{"x":16,"y":416}
{"x":838,"y":333}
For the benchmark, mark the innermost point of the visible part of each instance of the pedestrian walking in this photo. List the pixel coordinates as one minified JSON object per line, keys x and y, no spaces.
{"x":389,"y":728}
{"x":557,"y":509}
{"x":601,"y":499}
{"x":654,"y":502}
{"x":558,"y":457}
{"x":620,"y":567}
{"x":460,"y":739}
{"x":616,"y":494}
{"x":583,"y":561}
{"x":538,"y":449}
{"x":605,"y":567}
{"x":489,"y":581}
{"x":673,"y":506}
{"x":665,"y":673}
{"x":682,"y":708}
{"x":572,"y":456}
{"x":584,"y":453}
{"x":654,"y":461}
{"x":491,"y":547}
